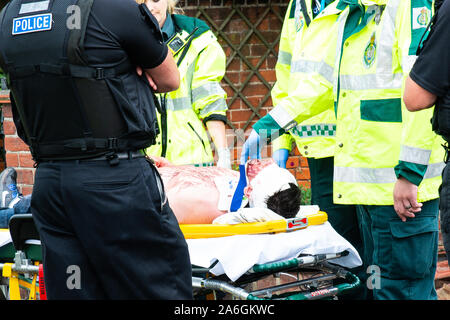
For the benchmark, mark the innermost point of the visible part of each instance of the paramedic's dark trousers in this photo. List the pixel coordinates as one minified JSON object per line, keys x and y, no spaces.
{"x":104,"y":235}
{"x":403,"y":253}
{"x":343,"y":218}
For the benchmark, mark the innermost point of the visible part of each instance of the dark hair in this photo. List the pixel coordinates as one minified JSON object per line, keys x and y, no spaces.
{"x":286,"y":203}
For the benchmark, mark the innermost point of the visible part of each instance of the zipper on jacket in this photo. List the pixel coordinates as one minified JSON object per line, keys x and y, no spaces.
{"x":198,"y":136}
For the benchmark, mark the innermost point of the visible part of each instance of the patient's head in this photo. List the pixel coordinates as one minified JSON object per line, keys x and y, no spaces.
{"x":270,"y":186}
{"x":286,"y":203}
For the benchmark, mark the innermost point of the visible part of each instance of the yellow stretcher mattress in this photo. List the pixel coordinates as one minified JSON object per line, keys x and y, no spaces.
{"x":199,"y":231}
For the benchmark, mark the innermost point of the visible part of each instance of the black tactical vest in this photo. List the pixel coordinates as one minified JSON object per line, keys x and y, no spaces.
{"x":67,"y":108}
{"x":441,"y":114}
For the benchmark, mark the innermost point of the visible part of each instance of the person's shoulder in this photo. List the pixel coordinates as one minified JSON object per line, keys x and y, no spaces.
{"x":445,"y":8}
{"x":124,"y":8}
{"x":190,"y":24}
{"x":110,"y":4}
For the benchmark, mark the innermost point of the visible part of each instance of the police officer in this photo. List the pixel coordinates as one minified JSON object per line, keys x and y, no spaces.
{"x":99,"y":206}
{"x":428,"y":84}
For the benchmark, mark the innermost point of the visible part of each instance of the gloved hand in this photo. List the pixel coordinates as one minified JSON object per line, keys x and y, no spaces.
{"x":251,"y":148}
{"x":280,"y":156}
{"x":224,"y":160}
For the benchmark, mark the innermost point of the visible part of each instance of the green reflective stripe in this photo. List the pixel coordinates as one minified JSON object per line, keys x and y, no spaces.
{"x":309,"y":66}
{"x":206,"y":90}
{"x":218,"y":105}
{"x":434,"y":170}
{"x":415,"y":155}
{"x":379,"y":175}
{"x":315,"y":130}
{"x":282,"y":118}
{"x":178,"y":104}
{"x":284,"y":57}
{"x":371,"y":81}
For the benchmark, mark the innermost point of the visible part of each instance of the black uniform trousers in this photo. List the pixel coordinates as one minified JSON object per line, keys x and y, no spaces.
{"x":105,"y":234}
{"x":444,"y":207}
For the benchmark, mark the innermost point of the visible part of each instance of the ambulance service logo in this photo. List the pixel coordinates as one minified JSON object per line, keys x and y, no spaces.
{"x":299,"y":22}
{"x":298,"y":18}
{"x":370,"y":52}
{"x":421,"y":17}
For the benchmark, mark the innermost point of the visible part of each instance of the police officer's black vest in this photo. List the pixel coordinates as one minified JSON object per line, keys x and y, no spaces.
{"x":441,"y":114}
{"x":69,"y":109}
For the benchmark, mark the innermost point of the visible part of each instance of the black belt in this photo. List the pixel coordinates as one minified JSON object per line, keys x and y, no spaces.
{"x":126,"y":155}
{"x":112,"y":157}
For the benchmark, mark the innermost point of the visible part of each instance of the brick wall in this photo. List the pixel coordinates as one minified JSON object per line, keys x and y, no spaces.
{"x":247,"y":89}
{"x":17,"y":152}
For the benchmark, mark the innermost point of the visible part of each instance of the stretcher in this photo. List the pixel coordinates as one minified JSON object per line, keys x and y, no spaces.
{"x":236,"y":260}
{"x":227,"y":260}
{"x":20,"y":260}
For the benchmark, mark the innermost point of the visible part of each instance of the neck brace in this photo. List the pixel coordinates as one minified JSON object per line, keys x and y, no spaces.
{"x":269,"y":180}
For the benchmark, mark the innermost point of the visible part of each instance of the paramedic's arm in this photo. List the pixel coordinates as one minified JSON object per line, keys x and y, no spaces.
{"x":417,"y":98}
{"x":416,"y":142}
{"x":209,"y":98}
{"x":216,"y":129}
{"x":429,"y":78}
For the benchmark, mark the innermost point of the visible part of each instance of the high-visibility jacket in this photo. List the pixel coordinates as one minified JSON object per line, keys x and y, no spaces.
{"x":198,"y":99}
{"x":314,"y":137}
{"x":377,"y":140}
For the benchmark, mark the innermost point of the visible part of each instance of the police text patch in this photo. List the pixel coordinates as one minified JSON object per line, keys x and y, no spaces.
{"x":28,"y":24}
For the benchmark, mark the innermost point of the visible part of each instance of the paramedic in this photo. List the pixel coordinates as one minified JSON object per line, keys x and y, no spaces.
{"x":315,"y":137}
{"x":84,"y":111}
{"x":429,"y":84}
{"x":200,"y":100}
{"x":378,"y":164}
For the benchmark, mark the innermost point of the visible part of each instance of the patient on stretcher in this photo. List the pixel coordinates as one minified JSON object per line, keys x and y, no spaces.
{"x":199,"y":195}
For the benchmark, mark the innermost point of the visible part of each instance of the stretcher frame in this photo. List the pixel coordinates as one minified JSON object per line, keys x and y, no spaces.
{"x":25,"y":268}
{"x":22,"y":271}
{"x":308,"y":289}
{"x":314,"y":288}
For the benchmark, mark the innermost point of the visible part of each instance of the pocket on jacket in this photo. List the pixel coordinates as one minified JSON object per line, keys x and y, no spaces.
{"x":381,"y":110}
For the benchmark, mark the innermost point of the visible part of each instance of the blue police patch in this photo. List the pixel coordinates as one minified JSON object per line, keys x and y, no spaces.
{"x":28,"y":24}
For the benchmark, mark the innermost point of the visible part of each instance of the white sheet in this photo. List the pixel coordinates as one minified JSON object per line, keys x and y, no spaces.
{"x":5,"y":237}
{"x":237,"y":254}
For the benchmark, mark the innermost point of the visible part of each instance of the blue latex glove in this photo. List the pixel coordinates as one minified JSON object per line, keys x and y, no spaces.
{"x":251,"y":148}
{"x":280,"y":156}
